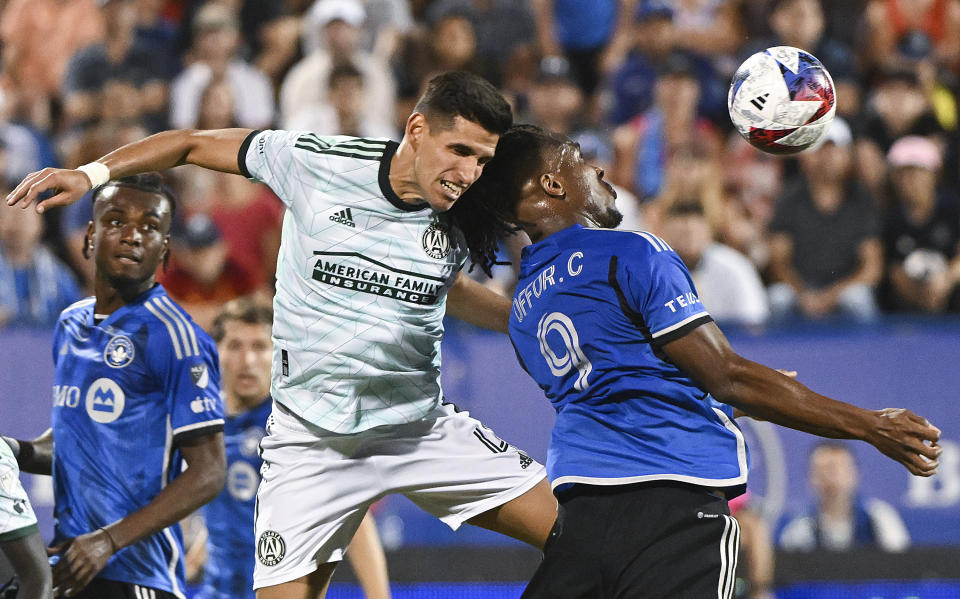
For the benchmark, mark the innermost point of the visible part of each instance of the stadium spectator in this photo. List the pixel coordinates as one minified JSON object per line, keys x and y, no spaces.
{"x":306,"y":83}
{"x":34,"y":284}
{"x":202,"y":275}
{"x":841,"y":520}
{"x":342,"y":112}
{"x":888,"y":22}
{"x":757,"y":552}
{"x":242,"y":332}
{"x":646,"y":145}
{"x":215,"y":56}
{"x":921,"y":232}
{"x":153,"y":376}
{"x":20,"y":539}
{"x":385,"y":24}
{"x":727,"y":282}
{"x":32,"y":64}
{"x":825,"y":252}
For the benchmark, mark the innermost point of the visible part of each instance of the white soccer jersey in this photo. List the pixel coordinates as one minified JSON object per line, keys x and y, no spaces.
{"x":362,"y":279}
{"x":16,"y":516}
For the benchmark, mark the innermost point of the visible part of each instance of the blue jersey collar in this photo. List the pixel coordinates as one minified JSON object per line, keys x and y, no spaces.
{"x":536,"y":254}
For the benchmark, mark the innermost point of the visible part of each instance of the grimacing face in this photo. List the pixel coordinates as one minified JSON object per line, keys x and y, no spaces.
{"x":450,"y":159}
{"x":592,"y":196}
{"x":130,"y":234}
{"x":246,"y":353}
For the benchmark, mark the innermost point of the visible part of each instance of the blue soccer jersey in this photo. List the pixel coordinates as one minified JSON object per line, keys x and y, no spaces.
{"x":126,"y":393}
{"x":591,"y":310}
{"x":229,"y":517}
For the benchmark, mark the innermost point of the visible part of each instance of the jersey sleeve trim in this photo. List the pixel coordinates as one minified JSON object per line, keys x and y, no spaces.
{"x":13,"y":535}
{"x":197,"y":429}
{"x":242,"y":154}
{"x":635,"y":317}
{"x":681,"y":328}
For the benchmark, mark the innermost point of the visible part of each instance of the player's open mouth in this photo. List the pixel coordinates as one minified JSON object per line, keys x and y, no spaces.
{"x":453,"y":190}
{"x":128,"y":258}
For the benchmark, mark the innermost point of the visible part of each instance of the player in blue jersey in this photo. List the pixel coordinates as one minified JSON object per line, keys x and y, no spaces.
{"x":135,"y":401}
{"x":644,"y":452}
{"x":242,"y":333}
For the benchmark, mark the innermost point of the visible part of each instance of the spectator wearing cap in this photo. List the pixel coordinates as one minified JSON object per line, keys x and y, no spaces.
{"x":215,"y":56}
{"x":307,"y":83}
{"x":202,"y":276}
{"x":120,"y":78}
{"x":646,"y":145}
{"x":825,"y":253}
{"x":921,"y":232}
{"x":653,"y":46}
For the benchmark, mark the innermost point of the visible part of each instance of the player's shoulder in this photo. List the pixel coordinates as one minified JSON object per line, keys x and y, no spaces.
{"x":169,"y":325}
{"x":342,"y":146}
{"x":77,"y":311}
{"x":621,"y":240}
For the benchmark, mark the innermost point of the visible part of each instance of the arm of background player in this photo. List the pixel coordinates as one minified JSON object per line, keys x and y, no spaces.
{"x":217,"y":150}
{"x":368,"y":561}
{"x":472,"y":302}
{"x":28,"y":556}
{"x":36,"y":456}
{"x":83,"y":557}
{"x":707,"y":357}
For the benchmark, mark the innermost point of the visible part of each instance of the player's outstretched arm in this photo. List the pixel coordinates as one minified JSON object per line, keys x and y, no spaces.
{"x":472,"y":302}
{"x":83,"y":557}
{"x":36,"y":456}
{"x":369,"y":564}
{"x":28,"y":557}
{"x":705,"y":355}
{"x":215,"y":149}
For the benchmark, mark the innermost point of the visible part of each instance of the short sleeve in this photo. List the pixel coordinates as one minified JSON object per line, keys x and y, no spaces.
{"x":188,"y":366}
{"x":268,"y":157}
{"x":657,"y":286}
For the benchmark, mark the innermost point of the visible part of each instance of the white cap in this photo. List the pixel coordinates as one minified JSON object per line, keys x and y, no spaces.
{"x":838,"y":132}
{"x":326,"y":11}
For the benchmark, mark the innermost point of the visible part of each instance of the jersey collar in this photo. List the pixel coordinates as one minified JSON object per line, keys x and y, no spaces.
{"x":536,"y":254}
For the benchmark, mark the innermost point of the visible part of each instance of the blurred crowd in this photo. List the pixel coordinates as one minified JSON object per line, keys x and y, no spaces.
{"x":865,"y":223}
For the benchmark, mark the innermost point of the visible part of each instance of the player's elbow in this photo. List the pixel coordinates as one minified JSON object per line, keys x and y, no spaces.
{"x":212,"y":479}
{"x":730,"y":379}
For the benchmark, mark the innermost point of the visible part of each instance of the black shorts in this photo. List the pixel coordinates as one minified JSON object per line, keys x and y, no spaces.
{"x":100,"y":588}
{"x":649,"y":541}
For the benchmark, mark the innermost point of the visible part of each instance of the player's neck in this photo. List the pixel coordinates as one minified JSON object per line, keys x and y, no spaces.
{"x":401,"y":176}
{"x":111,"y":297}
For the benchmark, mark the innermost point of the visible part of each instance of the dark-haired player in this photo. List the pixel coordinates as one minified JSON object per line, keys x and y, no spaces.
{"x":369,"y":265}
{"x":644,"y":452}
{"x":135,"y":401}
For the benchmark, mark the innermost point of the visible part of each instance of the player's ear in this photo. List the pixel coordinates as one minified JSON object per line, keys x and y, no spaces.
{"x":166,"y":251}
{"x":551,"y":185}
{"x":88,"y":241}
{"x":416,"y":128}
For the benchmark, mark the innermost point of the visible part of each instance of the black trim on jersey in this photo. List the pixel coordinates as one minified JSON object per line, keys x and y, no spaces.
{"x":381,"y":265}
{"x":384,"y":179}
{"x":196,"y":433}
{"x":632,"y":315}
{"x":677,"y":333}
{"x":362,"y":148}
{"x":242,"y":154}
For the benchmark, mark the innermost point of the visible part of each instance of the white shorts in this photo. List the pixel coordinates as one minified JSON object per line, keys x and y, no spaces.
{"x":316,"y":486}
{"x":16,"y":516}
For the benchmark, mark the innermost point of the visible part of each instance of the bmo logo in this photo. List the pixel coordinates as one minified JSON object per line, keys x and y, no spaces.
{"x":105,"y":401}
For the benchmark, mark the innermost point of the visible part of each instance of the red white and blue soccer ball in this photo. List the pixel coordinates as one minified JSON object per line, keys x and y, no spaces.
{"x":781,"y":100}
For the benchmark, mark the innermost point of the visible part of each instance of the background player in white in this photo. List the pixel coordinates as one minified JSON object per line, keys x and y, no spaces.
{"x":19,"y":536}
{"x":136,"y":399}
{"x":226,"y":549}
{"x":368,"y":267}
{"x":644,"y":453}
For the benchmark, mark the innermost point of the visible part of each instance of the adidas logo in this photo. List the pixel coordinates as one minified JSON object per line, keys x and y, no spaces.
{"x":344,"y":217}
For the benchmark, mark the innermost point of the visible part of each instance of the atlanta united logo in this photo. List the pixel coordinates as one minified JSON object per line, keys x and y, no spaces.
{"x":271,"y":548}
{"x":436,"y":241}
{"x":119,"y":352}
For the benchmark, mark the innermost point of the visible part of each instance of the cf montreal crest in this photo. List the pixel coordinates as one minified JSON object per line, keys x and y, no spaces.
{"x":119,"y":352}
{"x":436,"y":241}
{"x":271,"y":548}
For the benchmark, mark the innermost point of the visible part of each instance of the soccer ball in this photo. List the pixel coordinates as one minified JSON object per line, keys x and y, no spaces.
{"x":781,"y":100}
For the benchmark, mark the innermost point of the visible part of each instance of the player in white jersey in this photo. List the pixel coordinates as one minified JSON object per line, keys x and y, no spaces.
{"x":19,"y":536}
{"x":368,"y":266}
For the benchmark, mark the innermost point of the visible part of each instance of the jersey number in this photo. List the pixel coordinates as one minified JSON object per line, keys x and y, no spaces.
{"x":572,"y":357}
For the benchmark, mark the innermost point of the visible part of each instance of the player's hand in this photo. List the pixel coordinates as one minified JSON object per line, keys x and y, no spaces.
{"x":81,"y":559}
{"x":68,"y":186}
{"x":907,"y":438}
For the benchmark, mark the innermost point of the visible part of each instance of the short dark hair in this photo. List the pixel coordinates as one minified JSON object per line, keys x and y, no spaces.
{"x":458,"y":93}
{"x":344,"y":70}
{"x":244,"y":309}
{"x":487,"y":211}
{"x":150,"y":182}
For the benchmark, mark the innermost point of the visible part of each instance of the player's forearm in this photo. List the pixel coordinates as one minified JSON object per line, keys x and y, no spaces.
{"x":472,"y":302}
{"x":217,"y":150}
{"x":196,"y":486}
{"x":35,"y":456}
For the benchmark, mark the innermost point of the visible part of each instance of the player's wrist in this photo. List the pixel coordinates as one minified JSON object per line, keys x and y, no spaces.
{"x":97,"y":172}
{"x":113,"y":544}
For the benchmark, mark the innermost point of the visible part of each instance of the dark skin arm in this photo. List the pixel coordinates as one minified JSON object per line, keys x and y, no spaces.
{"x":36,"y":456}
{"x":215,"y":149}
{"x":28,"y":557}
{"x":81,"y":558}
{"x":766,"y":394}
